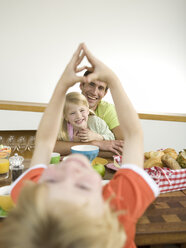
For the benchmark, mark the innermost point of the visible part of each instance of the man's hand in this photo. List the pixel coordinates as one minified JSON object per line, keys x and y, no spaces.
{"x":86,"y":135}
{"x":115,"y":146}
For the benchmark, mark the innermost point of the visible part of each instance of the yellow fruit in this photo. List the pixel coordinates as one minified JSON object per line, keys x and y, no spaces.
{"x":4,"y":166}
{"x":116,"y":164}
{"x":6,"y":202}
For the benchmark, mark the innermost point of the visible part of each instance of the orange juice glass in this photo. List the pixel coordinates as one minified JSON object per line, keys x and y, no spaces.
{"x":4,"y":168}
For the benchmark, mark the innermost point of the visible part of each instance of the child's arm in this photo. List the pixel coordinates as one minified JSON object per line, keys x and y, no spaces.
{"x":107,"y":148}
{"x":97,"y":130}
{"x":128,"y":118}
{"x":50,"y":122}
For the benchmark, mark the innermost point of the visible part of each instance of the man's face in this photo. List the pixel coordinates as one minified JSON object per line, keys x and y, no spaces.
{"x":94,"y":92}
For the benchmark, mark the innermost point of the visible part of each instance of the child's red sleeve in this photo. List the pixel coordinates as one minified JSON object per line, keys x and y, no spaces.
{"x":33,"y":174}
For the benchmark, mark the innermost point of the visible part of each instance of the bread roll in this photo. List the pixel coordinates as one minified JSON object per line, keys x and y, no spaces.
{"x":151,"y":162}
{"x":171,"y":152}
{"x":153,"y":154}
{"x":170,"y":162}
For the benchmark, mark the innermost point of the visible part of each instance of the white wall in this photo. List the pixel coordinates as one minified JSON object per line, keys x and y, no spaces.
{"x":164,"y":134}
{"x":143,"y":41}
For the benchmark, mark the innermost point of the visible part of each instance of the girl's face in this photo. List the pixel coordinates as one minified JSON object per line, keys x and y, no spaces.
{"x":77,"y":115}
{"x":75,"y":181}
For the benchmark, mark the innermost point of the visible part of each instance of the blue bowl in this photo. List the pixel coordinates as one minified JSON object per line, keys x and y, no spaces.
{"x":89,"y":151}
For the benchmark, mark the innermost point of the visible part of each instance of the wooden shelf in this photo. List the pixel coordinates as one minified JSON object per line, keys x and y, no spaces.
{"x":40,"y":107}
{"x":22,"y":106}
{"x":163,"y":117}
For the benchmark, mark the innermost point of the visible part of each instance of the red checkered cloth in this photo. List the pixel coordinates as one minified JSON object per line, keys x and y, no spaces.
{"x":168,"y":180}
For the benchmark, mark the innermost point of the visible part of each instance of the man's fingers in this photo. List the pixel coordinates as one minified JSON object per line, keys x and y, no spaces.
{"x":119,"y":144}
{"x":115,"y":152}
{"x":117,"y":147}
{"x":120,"y":149}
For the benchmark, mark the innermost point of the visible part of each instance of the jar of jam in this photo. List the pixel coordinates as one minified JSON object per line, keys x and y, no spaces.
{"x":16,"y":166}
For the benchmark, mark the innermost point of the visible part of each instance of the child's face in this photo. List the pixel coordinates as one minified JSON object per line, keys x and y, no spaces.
{"x":77,"y":115}
{"x":75,"y":181}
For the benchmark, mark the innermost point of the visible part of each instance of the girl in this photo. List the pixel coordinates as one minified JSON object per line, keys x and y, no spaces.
{"x":78,"y":120}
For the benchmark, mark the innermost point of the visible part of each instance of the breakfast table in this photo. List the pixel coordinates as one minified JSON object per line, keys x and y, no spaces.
{"x":164,"y":222}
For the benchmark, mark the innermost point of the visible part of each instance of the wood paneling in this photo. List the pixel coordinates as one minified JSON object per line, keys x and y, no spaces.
{"x":40,"y":107}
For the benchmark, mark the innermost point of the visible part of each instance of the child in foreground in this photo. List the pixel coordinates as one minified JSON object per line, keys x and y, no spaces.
{"x":68,"y":206}
{"x":81,"y":124}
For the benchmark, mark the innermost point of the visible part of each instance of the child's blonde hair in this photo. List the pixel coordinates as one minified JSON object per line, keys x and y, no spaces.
{"x":75,"y":98}
{"x":35,"y":224}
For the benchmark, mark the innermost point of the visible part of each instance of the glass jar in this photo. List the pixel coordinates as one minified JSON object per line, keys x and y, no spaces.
{"x":16,"y":166}
{"x":4,"y":168}
{"x":4,"y":161}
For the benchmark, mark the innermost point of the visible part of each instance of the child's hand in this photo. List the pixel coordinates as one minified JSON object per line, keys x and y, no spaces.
{"x":76,"y":138}
{"x":69,"y":75}
{"x":99,"y":70}
{"x":86,"y":135}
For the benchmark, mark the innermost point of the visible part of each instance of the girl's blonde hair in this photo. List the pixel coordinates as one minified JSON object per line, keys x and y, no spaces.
{"x":36,"y":223}
{"x":75,"y":98}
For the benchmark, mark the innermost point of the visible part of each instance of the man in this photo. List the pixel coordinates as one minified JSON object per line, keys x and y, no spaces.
{"x":94,"y":92}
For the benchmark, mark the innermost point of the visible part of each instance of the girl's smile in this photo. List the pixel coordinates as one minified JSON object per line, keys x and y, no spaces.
{"x":77,"y":115}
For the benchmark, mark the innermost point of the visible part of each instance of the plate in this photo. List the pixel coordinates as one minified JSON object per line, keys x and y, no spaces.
{"x":99,"y":160}
{"x":112,"y":166}
{"x":5,"y":190}
{"x":104,"y":182}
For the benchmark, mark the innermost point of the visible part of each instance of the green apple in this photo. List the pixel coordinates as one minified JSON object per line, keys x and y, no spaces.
{"x":100,"y":168}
